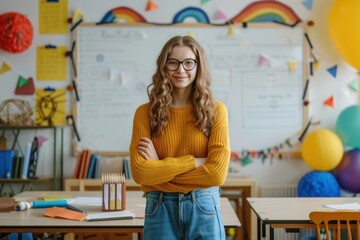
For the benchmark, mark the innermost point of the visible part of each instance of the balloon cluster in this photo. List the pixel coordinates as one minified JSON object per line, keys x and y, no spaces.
{"x":323,"y":151}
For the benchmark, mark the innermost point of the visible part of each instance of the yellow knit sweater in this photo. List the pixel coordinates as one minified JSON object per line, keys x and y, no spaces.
{"x":177,"y":147}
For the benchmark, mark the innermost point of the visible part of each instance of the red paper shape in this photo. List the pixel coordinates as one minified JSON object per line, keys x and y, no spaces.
{"x":330,"y":102}
{"x":25,"y":86}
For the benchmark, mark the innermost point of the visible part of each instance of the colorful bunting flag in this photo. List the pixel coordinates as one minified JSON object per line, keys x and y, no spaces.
{"x":308,"y":4}
{"x":330,"y":102}
{"x":151,"y":5}
{"x":5,"y":67}
{"x":333,"y":71}
{"x":354,"y":85}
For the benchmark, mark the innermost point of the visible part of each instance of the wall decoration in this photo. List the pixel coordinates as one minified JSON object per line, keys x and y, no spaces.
{"x":16,"y":32}
{"x":267,"y":11}
{"x":191,"y":12}
{"x":122,"y":13}
{"x":50,"y":107}
{"x":16,"y":112}
{"x":25,"y":86}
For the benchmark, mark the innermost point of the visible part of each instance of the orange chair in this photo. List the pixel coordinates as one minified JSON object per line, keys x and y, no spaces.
{"x":337,"y":220}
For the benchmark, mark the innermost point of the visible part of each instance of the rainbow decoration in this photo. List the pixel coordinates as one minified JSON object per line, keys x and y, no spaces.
{"x":267,"y":11}
{"x":193,"y":12}
{"x":124,"y":13}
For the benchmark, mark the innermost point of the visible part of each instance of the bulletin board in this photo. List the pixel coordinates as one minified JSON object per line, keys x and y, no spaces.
{"x":258,"y":71}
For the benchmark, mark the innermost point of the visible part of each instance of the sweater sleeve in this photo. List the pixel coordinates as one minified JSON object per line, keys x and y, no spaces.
{"x":152,"y":172}
{"x":214,"y":172}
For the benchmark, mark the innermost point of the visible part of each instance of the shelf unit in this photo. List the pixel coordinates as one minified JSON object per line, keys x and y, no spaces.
{"x":15,"y":131}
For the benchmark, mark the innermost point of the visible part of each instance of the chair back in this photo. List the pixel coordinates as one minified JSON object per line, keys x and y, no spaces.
{"x":336,"y":220}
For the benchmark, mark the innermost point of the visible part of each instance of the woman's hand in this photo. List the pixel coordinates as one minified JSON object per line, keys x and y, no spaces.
{"x":146,"y":149}
{"x":200,"y":162}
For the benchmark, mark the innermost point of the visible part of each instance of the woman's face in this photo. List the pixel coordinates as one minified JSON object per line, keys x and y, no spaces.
{"x":181,"y":67}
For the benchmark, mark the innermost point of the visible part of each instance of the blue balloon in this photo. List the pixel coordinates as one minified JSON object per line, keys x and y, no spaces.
{"x":348,"y":126}
{"x":318,"y":184}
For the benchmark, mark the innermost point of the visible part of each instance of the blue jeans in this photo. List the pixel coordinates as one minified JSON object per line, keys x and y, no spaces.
{"x":174,"y":216}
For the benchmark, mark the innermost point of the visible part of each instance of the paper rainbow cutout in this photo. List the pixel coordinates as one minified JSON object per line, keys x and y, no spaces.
{"x":193,"y":12}
{"x":125,"y":13}
{"x":267,"y":11}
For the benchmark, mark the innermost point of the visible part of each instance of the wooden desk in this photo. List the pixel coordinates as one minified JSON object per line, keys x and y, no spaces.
{"x":288,"y":213}
{"x":32,"y":220}
{"x":235,"y":189}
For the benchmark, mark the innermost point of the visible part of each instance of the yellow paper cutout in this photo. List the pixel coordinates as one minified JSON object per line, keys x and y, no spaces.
{"x":316,"y":65}
{"x":53,"y":17}
{"x":51,"y":63}
{"x":231,"y":31}
{"x":292,"y":66}
{"x":191,"y":34}
{"x":5,"y":67}
{"x":50,"y":107}
{"x":77,"y":15}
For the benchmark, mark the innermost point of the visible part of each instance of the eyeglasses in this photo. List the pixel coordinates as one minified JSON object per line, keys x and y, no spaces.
{"x":173,"y":64}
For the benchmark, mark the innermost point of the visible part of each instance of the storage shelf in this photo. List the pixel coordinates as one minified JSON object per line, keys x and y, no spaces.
{"x":15,"y":131}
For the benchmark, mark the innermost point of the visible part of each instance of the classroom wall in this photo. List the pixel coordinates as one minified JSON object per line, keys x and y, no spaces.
{"x":321,"y":86}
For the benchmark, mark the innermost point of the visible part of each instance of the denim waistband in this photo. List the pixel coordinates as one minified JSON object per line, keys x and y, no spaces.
{"x":158,"y":195}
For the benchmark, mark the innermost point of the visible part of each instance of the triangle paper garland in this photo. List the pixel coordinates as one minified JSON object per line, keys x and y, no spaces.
{"x":333,"y":71}
{"x":5,"y":67}
{"x":151,"y":5}
{"x":330,"y":102}
{"x":308,"y":4}
{"x":354,"y":85}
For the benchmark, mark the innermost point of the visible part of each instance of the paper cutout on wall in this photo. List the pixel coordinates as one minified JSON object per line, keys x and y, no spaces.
{"x":204,"y":1}
{"x":151,"y":5}
{"x":5,"y":67}
{"x":316,"y":65}
{"x":50,"y":107}
{"x":41,"y":140}
{"x":292,"y":66}
{"x":263,"y":60}
{"x":220,"y":15}
{"x":77,"y":16}
{"x":308,"y":4}
{"x":191,"y":34}
{"x":354,"y":85}
{"x":122,"y":14}
{"x":267,"y":11}
{"x":53,"y":17}
{"x":191,"y":12}
{"x":232,"y":30}
{"x":330,"y":102}
{"x":333,"y":71}
{"x":25,"y":86}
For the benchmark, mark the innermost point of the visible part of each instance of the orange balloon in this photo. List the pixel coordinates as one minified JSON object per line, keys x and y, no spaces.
{"x":344,"y":26}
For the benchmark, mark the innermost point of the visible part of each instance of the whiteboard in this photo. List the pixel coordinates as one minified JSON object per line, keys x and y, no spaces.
{"x":250,"y":74}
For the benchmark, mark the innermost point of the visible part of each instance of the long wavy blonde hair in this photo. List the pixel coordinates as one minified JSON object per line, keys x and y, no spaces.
{"x":160,"y":90}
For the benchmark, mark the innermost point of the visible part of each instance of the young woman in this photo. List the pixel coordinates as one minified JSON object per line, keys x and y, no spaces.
{"x":180,"y":148}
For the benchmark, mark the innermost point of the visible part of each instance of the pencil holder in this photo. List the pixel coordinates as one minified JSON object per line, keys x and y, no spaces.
{"x":113,"y":192}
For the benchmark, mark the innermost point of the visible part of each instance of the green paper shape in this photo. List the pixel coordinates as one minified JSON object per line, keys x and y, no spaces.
{"x":204,"y":1}
{"x":354,"y":85}
{"x":22,"y":81}
{"x":245,"y":161}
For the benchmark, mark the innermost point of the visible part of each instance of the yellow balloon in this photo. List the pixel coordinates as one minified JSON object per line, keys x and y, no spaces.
{"x":344,"y":26}
{"x":322,"y":150}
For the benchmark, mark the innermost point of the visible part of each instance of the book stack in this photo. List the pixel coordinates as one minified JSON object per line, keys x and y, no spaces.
{"x":113,"y":192}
